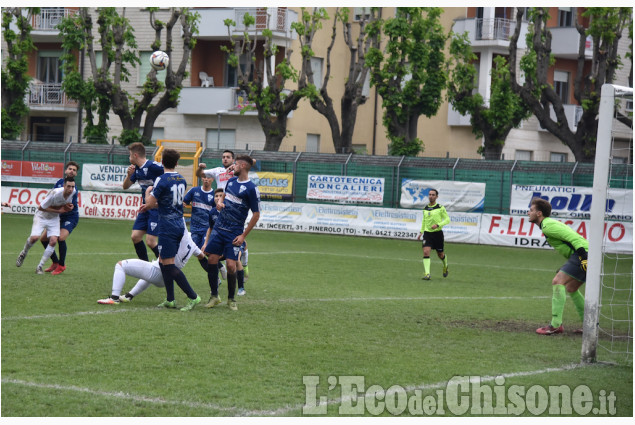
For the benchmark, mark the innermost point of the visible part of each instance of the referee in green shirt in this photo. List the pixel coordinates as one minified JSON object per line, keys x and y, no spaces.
{"x":434,"y":218}
{"x":570,"y":276}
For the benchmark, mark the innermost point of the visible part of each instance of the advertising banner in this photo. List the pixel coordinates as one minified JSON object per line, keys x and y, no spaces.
{"x":505,"y":230}
{"x":273,"y":185}
{"x":11,"y":168}
{"x":106,"y":177}
{"x":571,"y":201}
{"x":453,"y":195}
{"x":345,"y":189}
{"x":43,"y":169}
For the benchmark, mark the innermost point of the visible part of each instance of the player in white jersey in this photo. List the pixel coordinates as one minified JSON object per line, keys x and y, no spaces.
{"x":220,"y":174}
{"x":148,"y":272}
{"x":47,"y":217}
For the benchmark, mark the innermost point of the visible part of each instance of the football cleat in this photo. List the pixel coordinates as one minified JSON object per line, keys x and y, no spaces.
{"x":58,"y":270}
{"x":445,"y":272}
{"x":38,"y":270}
{"x":241,"y":291}
{"x":549,"y":330}
{"x":125,"y":299}
{"x":232,"y":305}
{"x":107,"y":301}
{"x":426,"y":276}
{"x":52,"y":268}
{"x":213,"y":302}
{"x":20,"y":259}
{"x":167,"y":304}
{"x":191,"y":304}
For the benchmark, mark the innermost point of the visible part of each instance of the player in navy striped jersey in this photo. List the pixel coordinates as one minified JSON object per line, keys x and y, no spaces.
{"x":202,"y":200}
{"x":144,"y":172}
{"x":229,"y":232}
{"x":68,"y":222}
{"x":167,"y":195}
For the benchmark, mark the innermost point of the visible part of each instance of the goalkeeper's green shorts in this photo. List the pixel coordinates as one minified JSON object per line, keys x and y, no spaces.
{"x":573,"y":269}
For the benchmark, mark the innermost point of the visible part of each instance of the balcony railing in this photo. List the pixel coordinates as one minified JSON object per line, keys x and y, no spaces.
{"x":48,"y":94}
{"x":49,"y":17}
{"x":494,"y":29}
{"x":273,"y":18}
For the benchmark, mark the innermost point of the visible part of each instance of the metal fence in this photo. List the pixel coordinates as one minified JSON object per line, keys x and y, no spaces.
{"x":499,"y":176}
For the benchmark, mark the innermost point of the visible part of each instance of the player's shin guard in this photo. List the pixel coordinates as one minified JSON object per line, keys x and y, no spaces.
{"x":141,"y":250}
{"x":426,"y":265}
{"x":53,"y":256}
{"x":212,"y":278}
{"x":62,"y":259}
{"x":231,"y":285}
{"x":557,"y":305}
{"x":578,"y":302}
{"x":168,"y":281}
{"x":118,"y":280}
{"x":240,"y":278}
{"x":47,"y":254}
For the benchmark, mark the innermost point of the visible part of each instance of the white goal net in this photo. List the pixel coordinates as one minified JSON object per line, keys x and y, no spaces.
{"x":608,"y":312}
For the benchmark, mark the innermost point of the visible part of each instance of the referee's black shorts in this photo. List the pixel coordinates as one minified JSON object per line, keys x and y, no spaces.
{"x":434,"y":240}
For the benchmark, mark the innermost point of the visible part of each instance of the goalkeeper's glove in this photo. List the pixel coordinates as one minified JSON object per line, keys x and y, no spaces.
{"x":583,"y":256}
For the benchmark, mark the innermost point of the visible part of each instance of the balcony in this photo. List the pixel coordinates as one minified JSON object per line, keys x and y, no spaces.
{"x":44,"y":24}
{"x":49,"y":96}
{"x":565,"y":43}
{"x":455,"y":118}
{"x":277,"y":19}
{"x":494,"y":32}
{"x":212,"y":101}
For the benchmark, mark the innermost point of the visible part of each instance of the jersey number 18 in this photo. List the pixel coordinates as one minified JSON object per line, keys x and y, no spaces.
{"x":177,"y":194}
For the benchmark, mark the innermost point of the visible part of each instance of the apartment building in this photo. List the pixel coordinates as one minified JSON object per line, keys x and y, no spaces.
{"x":210,"y":103}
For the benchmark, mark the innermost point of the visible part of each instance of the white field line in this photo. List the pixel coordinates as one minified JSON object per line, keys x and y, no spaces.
{"x":118,"y":309}
{"x":276,"y":412}
{"x":338,"y":254}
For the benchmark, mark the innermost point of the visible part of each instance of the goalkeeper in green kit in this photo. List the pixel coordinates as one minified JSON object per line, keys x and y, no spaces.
{"x":434,"y":218}
{"x":570,"y":276}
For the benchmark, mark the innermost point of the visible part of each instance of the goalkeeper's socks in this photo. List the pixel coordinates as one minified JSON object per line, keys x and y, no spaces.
{"x":155,"y":250}
{"x":53,"y":256}
{"x":142,"y":252}
{"x":578,"y":302}
{"x":445,"y":260}
{"x":426,"y":265}
{"x":557,"y":305}
{"x":47,"y":254}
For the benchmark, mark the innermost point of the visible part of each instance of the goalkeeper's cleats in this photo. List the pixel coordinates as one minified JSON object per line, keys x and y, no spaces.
{"x":167,"y":304}
{"x":232,"y":305}
{"x":39,"y":270}
{"x":213,"y":302}
{"x":58,"y":270}
{"x":52,"y":268}
{"x":426,"y":276}
{"x":191,"y":304}
{"x":445,"y":271}
{"x":583,"y":263}
{"x":108,"y":300}
{"x":550,"y":330}
{"x":21,"y":258}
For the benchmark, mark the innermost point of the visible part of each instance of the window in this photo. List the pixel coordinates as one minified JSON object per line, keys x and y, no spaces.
{"x":145,"y":68}
{"x":312,"y":142}
{"x":316,"y":66}
{"x":49,"y":66}
{"x":360,"y":13}
{"x":629,"y":106}
{"x":232,"y":75}
{"x":523,"y":155}
{"x":561,"y":85}
{"x":558,"y":157}
{"x":157,"y":133}
{"x":565,"y":16}
{"x":223,"y":139}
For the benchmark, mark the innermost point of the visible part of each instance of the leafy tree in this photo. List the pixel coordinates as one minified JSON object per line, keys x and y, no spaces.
{"x":606,"y":26}
{"x":15,"y":80}
{"x":410,"y":72}
{"x":119,"y":55}
{"x":273,"y":100}
{"x":490,"y":121}
{"x":357,"y":71}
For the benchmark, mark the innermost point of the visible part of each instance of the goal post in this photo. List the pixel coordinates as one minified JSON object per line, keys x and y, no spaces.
{"x":610,"y":99}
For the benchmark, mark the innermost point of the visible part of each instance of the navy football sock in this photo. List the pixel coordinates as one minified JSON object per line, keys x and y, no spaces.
{"x":168,"y":281}
{"x":203,"y":263}
{"x":240,"y":277}
{"x":181,"y":280}
{"x":231,"y":285}
{"x":142,"y":252}
{"x":155,"y":250}
{"x":212,"y":278}
{"x":62,"y":245}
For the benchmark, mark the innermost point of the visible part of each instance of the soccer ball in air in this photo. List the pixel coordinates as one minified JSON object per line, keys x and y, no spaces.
{"x":159,"y":60}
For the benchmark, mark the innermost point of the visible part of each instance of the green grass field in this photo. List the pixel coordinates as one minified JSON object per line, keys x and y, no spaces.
{"x":316,"y":305}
